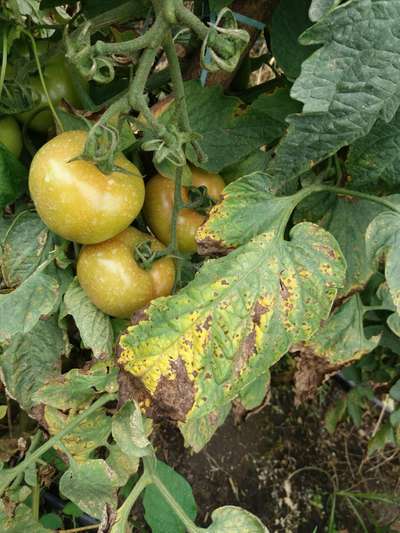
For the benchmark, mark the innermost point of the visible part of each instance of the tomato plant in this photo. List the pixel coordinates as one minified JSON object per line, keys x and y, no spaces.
{"x":159,"y":202}
{"x":113,"y":279}
{"x":188,"y":294}
{"x":75,"y":199}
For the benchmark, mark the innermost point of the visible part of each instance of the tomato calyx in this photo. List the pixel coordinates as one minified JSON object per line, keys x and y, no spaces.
{"x":145,"y":256}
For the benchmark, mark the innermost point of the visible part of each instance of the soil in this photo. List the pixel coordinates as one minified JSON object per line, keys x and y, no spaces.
{"x":253,"y":464}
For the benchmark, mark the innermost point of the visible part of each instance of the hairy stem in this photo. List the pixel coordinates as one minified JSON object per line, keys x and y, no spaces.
{"x":357,"y":194}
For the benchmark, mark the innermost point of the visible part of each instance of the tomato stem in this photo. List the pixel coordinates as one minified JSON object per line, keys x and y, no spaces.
{"x":3,"y":62}
{"x":349,"y":192}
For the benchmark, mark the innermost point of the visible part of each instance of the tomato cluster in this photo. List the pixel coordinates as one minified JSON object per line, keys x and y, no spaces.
{"x":80,"y":203}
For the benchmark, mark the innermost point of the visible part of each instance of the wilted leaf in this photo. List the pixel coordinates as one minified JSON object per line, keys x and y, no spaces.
{"x":383,"y":240}
{"x":36,"y":297}
{"x":158,"y":513}
{"x":84,"y":439}
{"x":374,"y":160}
{"x":122,"y":465}
{"x":13,"y":177}
{"x":90,"y":486}
{"x":26,"y":246}
{"x":21,"y":520}
{"x":230,"y":519}
{"x":31,"y":360}
{"x":339,"y":342}
{"x":238,"y":317}
{"x":130,"y":431}
{"x":289,"y":20}
{"x":346,"y":85}
{"x":77,"y":387}
{"x":350,"y":235}
{"x":94,"y":326}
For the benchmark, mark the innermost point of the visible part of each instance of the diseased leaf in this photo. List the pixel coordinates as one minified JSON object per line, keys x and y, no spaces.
{"x":90,"y":486}
{"x":26,"y":245}
{"x":374,"y":160}
{"x":36,"y":297}
{"x":230,"y":519}
{"x":257,"y":161}
{"x":198,"y":431}
{"x":346,"y":85}
{"x":383,"y":240}
{"x":348,"y":221}
{"x":13,"y":177}
{"x":289,"y":20}
{"x":94,"y":326}
{"x":19,"y":522}
{"x":228,"y":132}
{"x":32,"y":359}
{"x":78,"y":387}
{"x":130,"y":431}
{"x":238,"y":317}
{"x":319,"y":8}
{"x":84,"y":439}
{"x":158,"y":513}
{"x":253,"y":395}
{"x":122,"y":465}
{"x":339,"y":342}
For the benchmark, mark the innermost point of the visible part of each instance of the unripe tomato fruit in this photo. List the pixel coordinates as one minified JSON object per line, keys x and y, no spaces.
{"x":113,"y":280}
{"x":159,"y":201}
{"x":75,"y":199}
{"x":10,"y":135}
{"x":59,"y":87}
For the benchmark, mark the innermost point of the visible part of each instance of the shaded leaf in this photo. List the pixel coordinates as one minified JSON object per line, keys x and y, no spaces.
{"x":94,"y":326}
{"x":253,"y":395}
{"x":13,"y":177}
{"x":130,"y":431}
{"x":395,"y":391}
{"x":90,"y":486}
{"x":335,"y":414}
{"x":238,"y":317}
{"x":346,"y":85}
{"x":26,"y":245}
{"x":230,"y":519}
{"x":319,"y":8}
{"x":289,"y":20}
{"x":339,"y":342}
{"x":30,"y":360}
{"x":385,"y":435}
{"x":158,"y":513}
{"x":36,"y":297}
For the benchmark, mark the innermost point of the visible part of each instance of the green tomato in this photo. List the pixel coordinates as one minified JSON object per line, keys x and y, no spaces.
{"x":10,"y":135}
{"x":59,"y":87}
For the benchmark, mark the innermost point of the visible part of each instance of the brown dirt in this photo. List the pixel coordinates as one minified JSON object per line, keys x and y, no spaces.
{"x":249,"y":465}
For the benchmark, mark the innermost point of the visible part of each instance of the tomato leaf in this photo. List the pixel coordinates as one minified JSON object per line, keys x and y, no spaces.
{"x":339,"y":342}
{"x":121,"y":464}
{"x":30,"y":360}
{"x":374,"y":160}
{"x":383,"y":240}
{"x":342,"y":85}
{"x":94,"y":326}
{"x":238,"y":317}
{"x":319,"y":8}
{"x":231,"y":519}
{"x":199,"y":430}
{"x":289,"y":20}
{"x":21,"y":520}
{"x":27,"y":244}
{"x":253,"y":395}
{"x":35,"y":298}
{"x":130,"y":431}
{"x":90,"y":486}
{"x":13,"y":177}
{"x":158,"y":513}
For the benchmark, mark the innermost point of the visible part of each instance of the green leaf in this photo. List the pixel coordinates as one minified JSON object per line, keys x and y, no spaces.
{"x":230,"y":519}
{"x":31,"y":360}
{"x":94,"y":326}
{"x":253,"y":395}
{"x":257,"y":161}
{"x":237,"y":318}
{"x":395,"y":391}
{"x":91,"y":433}
{"x":319,"y":8}
{"x":51,"y":521}
{"x":13,"y":177}
{"x":77,"y":388}
{"x":289,"y":20}
{"x":90,"y":486}
{"x":229,"y":133}
{"x":217,"y":5}
{"x":139,"y":8}
{"x":3,"y":411}
{"x":36,"y":297}
{"x":385,"y":435}
{"x":130,"y":431}
{"x":339,"y":342}
{"x":122,"y":465}
{"x":383,"y":240}
{"x":26,"y":245}
{"x":20,"y":522}
{"x":335,"y":414}
{"x":374,"y":160}
{"x":158,"y":513}
{"x":351,"y":238}
{"x":345,"y":88}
